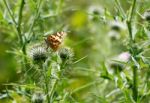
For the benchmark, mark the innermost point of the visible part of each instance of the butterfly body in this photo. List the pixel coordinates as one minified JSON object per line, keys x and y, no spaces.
{"x":55,"y":40}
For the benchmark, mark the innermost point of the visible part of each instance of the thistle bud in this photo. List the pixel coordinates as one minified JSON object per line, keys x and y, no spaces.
{"x":38,"y":97}
{"x":116,"y":66}
{"x":117,"y":26}
{"x":147,"y":15}
{"x":66,"y":54}
{"x":37,"y":52}
{"x":121,"y":58}
{"x":124,"y":57}
{"x":95,"y":11}
{"x":113,"y":35}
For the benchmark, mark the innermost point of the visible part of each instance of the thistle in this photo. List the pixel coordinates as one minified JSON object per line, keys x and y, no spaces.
{"x":37,"y":52}
{"x":118,"y":65}
{"x":38,"y":97}
{"x":147,"y":15}
{"x":66,"y":54}
{"x":117,"y":26}
{"x":95,"y":12}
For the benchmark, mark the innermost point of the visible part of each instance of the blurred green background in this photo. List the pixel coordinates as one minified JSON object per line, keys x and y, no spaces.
{"x":89,"y":27}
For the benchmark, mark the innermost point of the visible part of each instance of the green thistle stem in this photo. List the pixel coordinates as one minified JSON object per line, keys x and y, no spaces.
{"x":46,"y":82}
{"x":17,"y":24}
{"x":135,"y":86}
{"x":135,"y":76}
{"x":53,"y":90}
{"x":47,"y":88}
{"x":55,"y":83}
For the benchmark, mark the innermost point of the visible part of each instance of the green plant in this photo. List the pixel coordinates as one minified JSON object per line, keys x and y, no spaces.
{"x":111,"y":44}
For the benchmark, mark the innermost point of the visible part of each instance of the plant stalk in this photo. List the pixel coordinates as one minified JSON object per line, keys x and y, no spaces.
{"x":46,"y":87}
{"x":135,"y":76}
{"x":135,"y":85}
{"x":55,"y":83}
{"x":53,"y":90}
{"x":46,"y":81}
{"x":129,"y":21}
{"x":10,"y":12}
{"x":13,"y":19}
{"x":19,"y":23}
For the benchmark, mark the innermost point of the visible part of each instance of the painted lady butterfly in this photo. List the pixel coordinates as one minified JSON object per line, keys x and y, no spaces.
{"x":54,"y":41}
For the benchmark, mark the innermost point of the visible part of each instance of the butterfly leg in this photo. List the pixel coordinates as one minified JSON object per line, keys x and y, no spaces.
{"x":46,"y":44}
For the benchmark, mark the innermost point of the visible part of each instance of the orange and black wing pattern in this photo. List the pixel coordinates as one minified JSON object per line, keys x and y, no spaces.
{"x":54,"y":41}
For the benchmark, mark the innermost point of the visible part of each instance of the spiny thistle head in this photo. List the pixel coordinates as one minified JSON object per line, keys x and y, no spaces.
{"x":117,"y":26}
{"x":116,"y":66}
{"x":66,"y":54}
{"x":37,"y":52}
{"x":113,"y":35}
{"x":124,"y":57}
{"x":118,"y":62}
{"x":95,"y":11}
{"x":38,"y":97}
{"x":147,"y":15}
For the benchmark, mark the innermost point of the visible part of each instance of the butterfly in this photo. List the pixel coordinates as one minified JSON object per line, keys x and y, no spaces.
{"x":55,"y":40}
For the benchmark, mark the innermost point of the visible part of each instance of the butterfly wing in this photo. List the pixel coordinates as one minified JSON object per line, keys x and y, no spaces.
{"x":55,"y":40}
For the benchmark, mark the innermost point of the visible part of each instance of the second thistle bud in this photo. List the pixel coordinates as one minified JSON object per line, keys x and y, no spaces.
{"x":121,"y":58}
{"x":37,"y":52}
{"x":147,"y":15}
{"x":38,"y":97}
{"x":66,"y":54}
{"x":117,"y":26}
